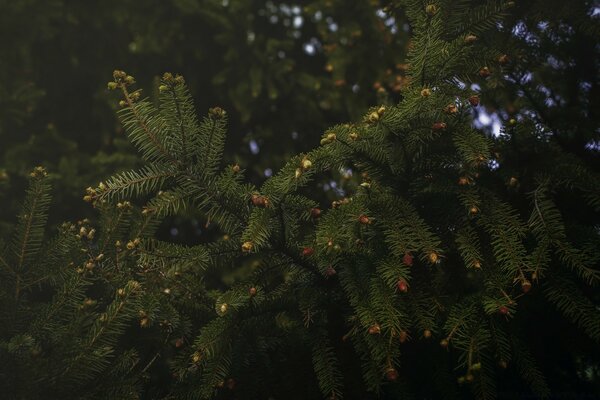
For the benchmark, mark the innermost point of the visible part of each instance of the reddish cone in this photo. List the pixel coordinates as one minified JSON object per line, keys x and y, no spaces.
{"x":402,"y":286}
{"x":391,"y":374}
{"x":308,"y":251}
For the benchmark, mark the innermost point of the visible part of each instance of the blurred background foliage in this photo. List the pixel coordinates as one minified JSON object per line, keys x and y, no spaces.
{"x":283,"y":70}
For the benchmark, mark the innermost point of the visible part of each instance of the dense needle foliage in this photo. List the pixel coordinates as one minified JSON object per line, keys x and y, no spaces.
{"x":452,"y":263}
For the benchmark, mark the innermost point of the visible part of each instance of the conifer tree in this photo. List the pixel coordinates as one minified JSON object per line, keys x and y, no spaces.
{"x":420,"y":280}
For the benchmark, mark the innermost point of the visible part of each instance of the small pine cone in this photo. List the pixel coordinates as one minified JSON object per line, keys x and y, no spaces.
{"x":439,"y":126}
{"x":503,"y":310}
{"x":374,"y":329}
{"x":525,"y":286}
{"x":408,"y":259}
{"x":403,"y":336}
{"x":474,"y":100}
{"x":391,"y":374}
{"x":431,"y":9}
{"x":402,"y":286}
{"x":470,"y":39}
{"x":247,"y":247}
{"x":363,"y":219}
{"x":485,"y":72}
{"x":451,"y":109}
{"x":308,"y":251}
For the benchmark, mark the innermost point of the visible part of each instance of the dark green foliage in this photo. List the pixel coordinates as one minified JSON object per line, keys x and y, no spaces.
{"x":425,"y":278}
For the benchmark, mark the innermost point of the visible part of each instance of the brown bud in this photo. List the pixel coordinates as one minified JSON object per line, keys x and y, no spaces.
{"x":315,"y":212}
{"x":247,"y":247}
{"x":427,"y":333}
{"x":431,"y":9}
{"x":402,"y":285}
{"x":474,"y":100}
{"x":469,"y":39}
{"x":374,"y":329}
{"x":307,"y":251}
{"x":503,"y":59}
{"x":463,"y":180}
{"x":330,"y":271}
{"x":403,"y":336}
{"x":252,"y":291}
{"x":439,"y":126}
{"x":485,"y":72}
{"x":525,"y":286}
{"x":451,"y":109}
{"x":444,"y":343}
{"x":408,"y":259}
{"x":391,"y":374}
{"x":363,"y":219}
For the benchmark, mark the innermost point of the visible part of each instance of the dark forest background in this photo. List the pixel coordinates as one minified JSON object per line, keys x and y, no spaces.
{"x":284,"y":71}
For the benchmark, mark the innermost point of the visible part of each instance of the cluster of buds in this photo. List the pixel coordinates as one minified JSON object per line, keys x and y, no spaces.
{"x":38,"y":172}
{"x":216,"y":113}
{"x":132,"y":244}
{"x":144,"y":319}
{"x":90,"y":195}
{"x":121,"y":78}
{"x":84,"y":233}
{"x":330,"y":137}
{"x":469,"y":377}
{"x":169,"y":81}
{"x":374,"y":116}
{"x":337,"y":203}
{"x":260,"y":201}
{"x":126,"y":205}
